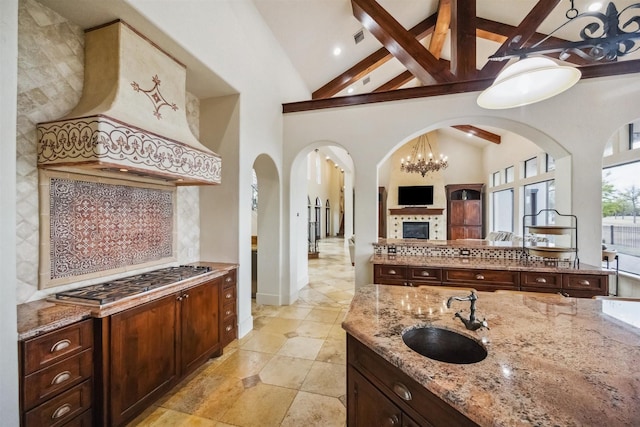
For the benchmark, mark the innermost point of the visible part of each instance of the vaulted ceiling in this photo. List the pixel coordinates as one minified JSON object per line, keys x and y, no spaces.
{"x":415,"y":48}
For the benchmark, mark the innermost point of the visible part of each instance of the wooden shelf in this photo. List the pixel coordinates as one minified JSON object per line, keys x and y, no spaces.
{"x":416,"y":211}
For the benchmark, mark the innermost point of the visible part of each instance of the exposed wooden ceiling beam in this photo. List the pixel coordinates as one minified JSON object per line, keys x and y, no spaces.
{"x":599,"y":70}
{"x":525,"y":30}
{"x":499,"y":32}
{"x":480,"y":133}
{"x":396,"y":83}
{"x":401,"y":43}
{"x":441,"y":29}
{"x":370,"y":63}
{"x":463,"y":39}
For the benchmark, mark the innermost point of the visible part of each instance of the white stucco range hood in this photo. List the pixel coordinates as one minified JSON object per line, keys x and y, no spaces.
{"x":131,"y":118}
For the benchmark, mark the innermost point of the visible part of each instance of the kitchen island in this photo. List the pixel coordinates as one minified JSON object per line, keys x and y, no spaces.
{"x":551,"y":360}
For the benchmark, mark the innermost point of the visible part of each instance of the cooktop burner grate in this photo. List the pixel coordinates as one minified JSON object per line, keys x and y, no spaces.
{"x":114,"y":290}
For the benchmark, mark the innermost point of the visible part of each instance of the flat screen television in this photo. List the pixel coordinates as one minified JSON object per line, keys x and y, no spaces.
{"x":415,"y":195}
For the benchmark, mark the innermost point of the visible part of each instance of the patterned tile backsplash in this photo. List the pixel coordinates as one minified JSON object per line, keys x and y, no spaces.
{"x":96,"y":226}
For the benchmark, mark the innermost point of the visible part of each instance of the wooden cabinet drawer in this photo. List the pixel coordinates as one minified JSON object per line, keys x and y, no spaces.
{"x":392,"y":272}
{"x":229,"y":330}
{"x":50,"y":348}
{"x":84,"y":420}
{"x":585,"y":282}
{"x":490,"y":277}
{"x":228,"y":294}
{"x":420,"y":404}
{"x":230,"y":279}
{"x":60,"y":409}
{"x":228,"y":310}
{"x":56,"y":378}
{"x":540,"y":280}
{"x":424,"y":275}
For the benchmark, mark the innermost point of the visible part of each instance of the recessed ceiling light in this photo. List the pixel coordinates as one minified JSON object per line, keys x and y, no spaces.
{"x":595,"y":6}
{"x":337,"y":51}
{"x":350,"y":90}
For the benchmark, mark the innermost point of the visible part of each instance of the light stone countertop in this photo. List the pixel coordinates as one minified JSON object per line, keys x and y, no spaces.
{"x":551,"y":360}
{"x":38,"y":317}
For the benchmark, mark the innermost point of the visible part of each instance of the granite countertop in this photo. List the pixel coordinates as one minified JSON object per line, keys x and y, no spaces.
{"x":551,"y":360}
{"x":38,"y":317}
{"x":486,"y":263}
{"x":460,"y":243}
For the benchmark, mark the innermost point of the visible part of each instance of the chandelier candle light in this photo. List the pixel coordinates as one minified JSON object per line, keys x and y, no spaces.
{"x":420,"y":162}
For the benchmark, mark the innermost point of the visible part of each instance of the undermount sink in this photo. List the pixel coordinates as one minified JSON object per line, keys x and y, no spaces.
{"x":444,"y":345}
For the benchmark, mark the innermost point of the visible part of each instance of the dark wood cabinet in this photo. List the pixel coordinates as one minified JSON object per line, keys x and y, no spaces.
{"x":379,"y":394}
{"x":464,"y":211}
{"x":152,"y":346}
{"x":56,"y":377}
{"x":229,"y":304}
{"x":382,"y":212}
{"x":199,"y":320}
{"x":143,"y":356}
{"x":571,"y":284}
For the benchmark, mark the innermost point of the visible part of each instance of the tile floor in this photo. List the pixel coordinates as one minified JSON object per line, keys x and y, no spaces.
{"x":288,"y":371}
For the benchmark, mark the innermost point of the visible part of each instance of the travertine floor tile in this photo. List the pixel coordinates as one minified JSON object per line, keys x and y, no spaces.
{"x":265,"y":342}
{"x":286,"y":371}
{"x":281,"y":326}
{"x":243,"y":363}
{"x":311,"y":410}
{"x":294,"y":312}
{"x":326,"y":378}
{"x":323,"y":315}
{"x":311,"y":329}
{"x":333,"y":351}
{"x":169,"y":418}
{"x":260,"y":406}
{"x":302,"y":347}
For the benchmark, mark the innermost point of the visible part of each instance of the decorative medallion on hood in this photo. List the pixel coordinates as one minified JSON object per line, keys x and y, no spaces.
{"x":114,"y":129}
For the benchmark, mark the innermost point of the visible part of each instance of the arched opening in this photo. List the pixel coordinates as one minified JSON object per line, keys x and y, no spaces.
{"x":621,"y":209}
{"x":327,"y":219}
{"x":320,"y":172}
{"x":268,"y":232}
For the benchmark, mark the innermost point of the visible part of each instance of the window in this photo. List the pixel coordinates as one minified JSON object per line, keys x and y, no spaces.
{"x":531,"y":167}
{"x":550,"y":163}
{"x":495,"y":179}
{"x":634,"y":135}
{"x":621,"y":214}
{"x":509,"y":174}
{"x":254,"y":190}
{"x":538,"y":196}
{"x":502,"y":210}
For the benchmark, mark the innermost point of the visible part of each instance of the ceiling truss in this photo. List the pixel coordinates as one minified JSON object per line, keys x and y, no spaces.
{"x":438,"y":76}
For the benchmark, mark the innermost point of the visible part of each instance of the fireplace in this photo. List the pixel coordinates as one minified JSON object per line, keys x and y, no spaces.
{"x":415,"y":230}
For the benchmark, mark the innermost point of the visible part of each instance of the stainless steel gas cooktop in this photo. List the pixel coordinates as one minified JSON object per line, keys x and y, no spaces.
{"x":108,"y":292}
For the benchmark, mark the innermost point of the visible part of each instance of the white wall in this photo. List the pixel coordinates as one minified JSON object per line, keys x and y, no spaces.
{"x":8,"y":99}
{"x":581,"y":131}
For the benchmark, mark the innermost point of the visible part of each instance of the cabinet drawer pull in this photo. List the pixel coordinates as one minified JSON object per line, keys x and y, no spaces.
{"x":228,"y":328}
{"x":584,"y":282}
{"x":179,"y":298}
{"x":186,"y":295}
{"x":61,"y":411}
{"x":402,"y":391}
{"x":393,"y":420}
{"x":228,"y":279}
{"x":425,"y":274}
{"x":479,"y":277}
{"x":60,"y":345}
{"x":61,"y":377}
{"x":541,"y":280}
{"x":392,"y":271}
{"x":229,"y":295}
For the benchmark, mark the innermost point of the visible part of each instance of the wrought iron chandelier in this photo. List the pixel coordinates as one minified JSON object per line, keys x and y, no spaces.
{"x":605,"y":36}
{"x":421,"y":162}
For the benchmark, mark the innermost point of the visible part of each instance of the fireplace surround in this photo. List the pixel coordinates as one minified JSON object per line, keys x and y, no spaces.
{"x":415,"y":230}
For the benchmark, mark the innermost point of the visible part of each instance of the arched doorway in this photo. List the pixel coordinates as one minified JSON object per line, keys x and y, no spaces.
{"x":268,"y":231}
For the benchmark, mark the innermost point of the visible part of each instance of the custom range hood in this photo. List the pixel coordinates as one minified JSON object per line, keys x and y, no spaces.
{"x":131,"y":118}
